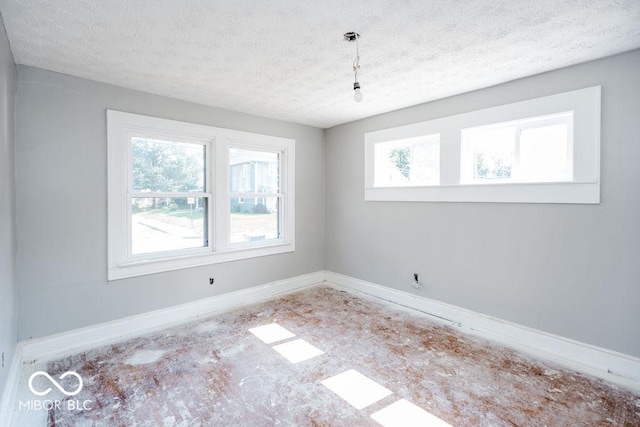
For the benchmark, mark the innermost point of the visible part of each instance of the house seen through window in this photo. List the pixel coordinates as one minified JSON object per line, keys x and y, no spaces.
{"x":254,"y":195}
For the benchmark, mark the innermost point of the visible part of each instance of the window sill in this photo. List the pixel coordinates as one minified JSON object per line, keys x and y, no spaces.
{"x":580,"y":192}
{"x":160,"y":265}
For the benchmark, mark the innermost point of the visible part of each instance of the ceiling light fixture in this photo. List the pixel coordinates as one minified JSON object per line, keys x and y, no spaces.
{"x":350,"y":37}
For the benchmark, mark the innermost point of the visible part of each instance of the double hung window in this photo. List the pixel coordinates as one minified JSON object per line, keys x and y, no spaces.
{"x":183,"y":195}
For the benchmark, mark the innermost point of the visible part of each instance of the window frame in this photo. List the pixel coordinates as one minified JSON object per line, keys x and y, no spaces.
{"x":131,"y":194}
{"x":583,"y":188}
{"x":256,"y":195}
{"x":466,"y":155}
{"x":402,"y":143}
{"x":121,"y":126}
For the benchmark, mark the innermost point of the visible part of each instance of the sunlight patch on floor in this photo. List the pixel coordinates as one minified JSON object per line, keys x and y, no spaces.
{"x":271,"y":333}
{"x":357,"y":389}
{"x":298,"y":350}
{"x":405,"y":414}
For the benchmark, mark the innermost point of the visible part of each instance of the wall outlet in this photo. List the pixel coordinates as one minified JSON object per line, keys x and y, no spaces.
{"x":415,"y":283}
{"x":211,"y":280}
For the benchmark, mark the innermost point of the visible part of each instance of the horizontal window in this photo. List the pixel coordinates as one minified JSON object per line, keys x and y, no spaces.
{"x":183,"y":195}
{"x":544,"y":150}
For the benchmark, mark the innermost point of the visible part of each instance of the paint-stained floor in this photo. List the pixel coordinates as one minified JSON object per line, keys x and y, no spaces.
{"x":333,"y":359}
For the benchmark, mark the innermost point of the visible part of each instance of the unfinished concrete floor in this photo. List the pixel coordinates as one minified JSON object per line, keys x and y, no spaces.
{"x":401,"y":368}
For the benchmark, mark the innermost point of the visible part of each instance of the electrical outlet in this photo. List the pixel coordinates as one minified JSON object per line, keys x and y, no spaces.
{"x":211,"y":280}
{"x":415,"y":283}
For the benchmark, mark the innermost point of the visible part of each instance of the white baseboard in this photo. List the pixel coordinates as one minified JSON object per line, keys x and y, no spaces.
{"x":10,"y":389}
{"x":77,"y":340}
{"x":614,"y":367}
{"x":617,"y":368}
{"x":74,"y":341}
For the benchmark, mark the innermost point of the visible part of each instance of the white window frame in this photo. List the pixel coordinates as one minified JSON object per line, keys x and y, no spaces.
{"x":272,"y":169}
{"x":584,"y":187}
{"x":284,"y":177}
{"x":121,"y":126}
{"x":466,"y":158}
{"x":402,"y":143}
{"x":130,"y":193}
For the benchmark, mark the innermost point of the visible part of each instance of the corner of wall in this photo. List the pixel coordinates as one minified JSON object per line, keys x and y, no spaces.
{"x":8,"y":285}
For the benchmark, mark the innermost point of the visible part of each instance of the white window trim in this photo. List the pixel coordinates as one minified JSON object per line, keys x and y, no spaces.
{"x":402,"y":143}
{"x":584,"y":188}
{"x":120,"y":262}
{"x":566,"y":118}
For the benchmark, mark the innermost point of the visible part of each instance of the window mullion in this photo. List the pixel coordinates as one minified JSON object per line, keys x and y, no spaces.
{"x":220,"y":224}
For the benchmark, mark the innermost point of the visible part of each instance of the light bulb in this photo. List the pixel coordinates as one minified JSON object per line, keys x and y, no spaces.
{"x":357,"y":95}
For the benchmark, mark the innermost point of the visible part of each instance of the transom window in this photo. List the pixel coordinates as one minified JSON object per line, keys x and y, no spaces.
{"x":183,"y":195}
{"x":543,"y":150}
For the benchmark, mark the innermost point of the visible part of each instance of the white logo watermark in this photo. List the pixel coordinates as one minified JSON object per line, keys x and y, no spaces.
{"x":55,"y":383}
{"x":67,"y":404}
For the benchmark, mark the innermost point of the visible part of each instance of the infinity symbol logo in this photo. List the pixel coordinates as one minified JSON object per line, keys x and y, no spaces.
{"x":55,"y":383}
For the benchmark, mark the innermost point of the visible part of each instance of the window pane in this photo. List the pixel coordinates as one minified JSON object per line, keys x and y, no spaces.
{"x":544,"y":153}
{"x":537,"y":149}
{"x":167,"y":166}
{"x":492,"y":153}
{"x":407,"y":162}
{"x":255,"y":219}
{"x":253,"y":171}
{"x":167,"y":224}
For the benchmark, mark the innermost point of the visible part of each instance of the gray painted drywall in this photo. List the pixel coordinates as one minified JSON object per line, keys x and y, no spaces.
{"x":8,"y":290}
{"x":571,"y":270}
{"x":61,"y":201}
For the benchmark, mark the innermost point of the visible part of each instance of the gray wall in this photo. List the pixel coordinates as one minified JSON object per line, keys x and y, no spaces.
{"x":572,"y":270}
{"x":61,"y":198}
{"x":8,"y":292}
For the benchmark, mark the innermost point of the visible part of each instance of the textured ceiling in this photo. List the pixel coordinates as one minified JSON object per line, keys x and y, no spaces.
{"x":286,"y":59}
